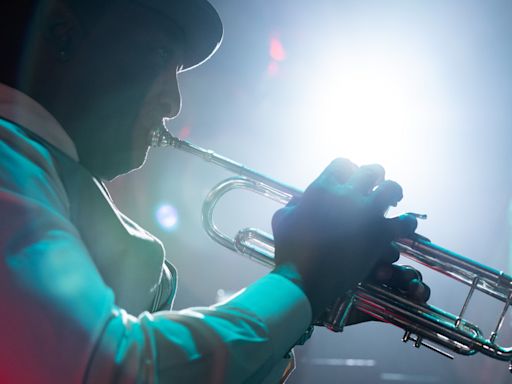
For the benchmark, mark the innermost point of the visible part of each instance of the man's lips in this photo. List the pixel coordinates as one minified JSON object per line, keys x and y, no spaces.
{"x":149,"y":124}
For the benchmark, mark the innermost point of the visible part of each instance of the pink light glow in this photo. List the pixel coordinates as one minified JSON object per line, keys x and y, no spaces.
{"x":184,"y":132}
{"x":273,"y":68}
{"x":277,"y":52}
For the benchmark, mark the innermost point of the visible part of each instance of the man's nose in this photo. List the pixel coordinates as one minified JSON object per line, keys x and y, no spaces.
{"x":169,"y":96}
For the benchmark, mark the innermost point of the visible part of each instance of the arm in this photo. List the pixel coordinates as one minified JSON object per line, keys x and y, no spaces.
{"x":63,"y":324}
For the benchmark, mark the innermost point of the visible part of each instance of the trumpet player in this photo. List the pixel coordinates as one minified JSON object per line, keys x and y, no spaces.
{"x":88,"y":293}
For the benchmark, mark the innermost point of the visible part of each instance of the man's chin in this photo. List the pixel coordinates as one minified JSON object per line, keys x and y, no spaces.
{"x":114,"y":175}
{"x":118,"y":165}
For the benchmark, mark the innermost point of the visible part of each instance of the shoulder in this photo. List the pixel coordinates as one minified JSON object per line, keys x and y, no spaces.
{"x":27,"y":167}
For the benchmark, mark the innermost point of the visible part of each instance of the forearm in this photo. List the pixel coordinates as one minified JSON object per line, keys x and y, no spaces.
{"x":62,"y":312}
{"x":241,"y":340}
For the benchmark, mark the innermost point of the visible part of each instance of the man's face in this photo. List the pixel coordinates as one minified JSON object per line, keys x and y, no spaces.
{"x":121,"y":82}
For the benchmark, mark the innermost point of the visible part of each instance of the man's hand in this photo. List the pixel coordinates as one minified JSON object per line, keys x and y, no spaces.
{"x":406,"y":280}
{"x":336,"y":234}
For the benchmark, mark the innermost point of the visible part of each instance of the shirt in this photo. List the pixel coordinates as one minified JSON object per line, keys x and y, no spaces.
{"x":63,"y":321}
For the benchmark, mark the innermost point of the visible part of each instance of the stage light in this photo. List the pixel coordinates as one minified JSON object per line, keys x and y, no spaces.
{"x":364,"y":105}
{"x":167,"y":217}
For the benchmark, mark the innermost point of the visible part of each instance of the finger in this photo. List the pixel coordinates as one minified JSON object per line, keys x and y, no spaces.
{"x":334,"y":175}
{"x":279,"y":215}
{"x":387,"y":194}
{"x":404,"y":278}
{"x":394,"y":229}
{"x":396,"y":276}
{"x":406,"y":281}
{"x":399,"y":227}
{"x":405,"y":274}
{"x":366,"y":177}
{"x":338,"y":171}
{"x":390,"y":255}
{"x":293,"y":201}
{"x":418,"y":291}
{"x":382,"y":273}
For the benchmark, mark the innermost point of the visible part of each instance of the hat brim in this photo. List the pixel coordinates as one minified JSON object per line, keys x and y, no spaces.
{"x":200,"y":23}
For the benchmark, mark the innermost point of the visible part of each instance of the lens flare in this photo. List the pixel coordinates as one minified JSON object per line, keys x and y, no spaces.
{"x":167,"y":217}
{"x":277,"y":52}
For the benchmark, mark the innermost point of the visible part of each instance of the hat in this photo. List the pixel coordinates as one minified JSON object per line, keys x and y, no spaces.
{"x":200,"y":23}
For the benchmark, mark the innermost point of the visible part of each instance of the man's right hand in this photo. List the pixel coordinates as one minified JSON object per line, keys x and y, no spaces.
{"x":331,"y":238}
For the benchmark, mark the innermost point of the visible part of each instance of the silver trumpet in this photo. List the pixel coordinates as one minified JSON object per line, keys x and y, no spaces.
{"x":423,"y":324}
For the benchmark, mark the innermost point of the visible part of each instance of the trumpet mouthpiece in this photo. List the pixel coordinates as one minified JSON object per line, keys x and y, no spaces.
{"x":160,"y":137}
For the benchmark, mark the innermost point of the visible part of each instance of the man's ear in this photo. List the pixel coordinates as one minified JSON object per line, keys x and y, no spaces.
{"x":62,"y":30}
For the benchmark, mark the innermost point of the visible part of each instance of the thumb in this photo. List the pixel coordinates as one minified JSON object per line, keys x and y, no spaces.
{"x":401,"y":226}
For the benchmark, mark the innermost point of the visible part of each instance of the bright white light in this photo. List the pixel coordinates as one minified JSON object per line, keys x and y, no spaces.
{"x":377,"y":99}
{"x":366,"y":104}
{"x":167,"y":217}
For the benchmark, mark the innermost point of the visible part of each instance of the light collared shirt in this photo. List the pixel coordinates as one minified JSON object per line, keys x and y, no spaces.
{"x":62,"y":322}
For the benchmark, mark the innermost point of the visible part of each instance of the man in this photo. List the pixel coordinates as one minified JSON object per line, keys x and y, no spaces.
{"x":84,"y":84}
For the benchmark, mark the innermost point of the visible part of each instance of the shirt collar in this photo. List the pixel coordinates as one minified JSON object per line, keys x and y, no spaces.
{"x":25,"y":111}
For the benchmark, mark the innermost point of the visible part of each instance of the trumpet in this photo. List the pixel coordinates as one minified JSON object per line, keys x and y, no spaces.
{"x":423,"y":324}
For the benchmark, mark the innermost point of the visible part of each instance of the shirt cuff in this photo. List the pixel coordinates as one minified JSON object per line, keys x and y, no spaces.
{"x":281,"y":305}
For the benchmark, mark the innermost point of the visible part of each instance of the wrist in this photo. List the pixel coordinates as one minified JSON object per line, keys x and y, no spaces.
{"x":313,"y":291}
{"x":290,"y":272}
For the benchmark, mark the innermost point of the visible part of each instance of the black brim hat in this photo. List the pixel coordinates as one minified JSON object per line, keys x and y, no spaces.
{"x":199,"y":22}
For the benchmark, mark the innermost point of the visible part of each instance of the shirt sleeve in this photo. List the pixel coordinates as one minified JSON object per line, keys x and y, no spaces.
{"x":62,"y":324}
